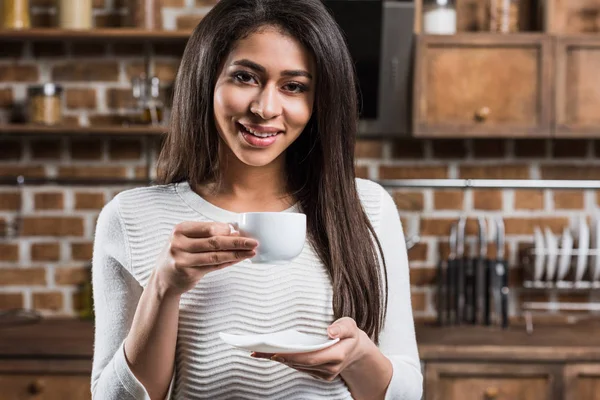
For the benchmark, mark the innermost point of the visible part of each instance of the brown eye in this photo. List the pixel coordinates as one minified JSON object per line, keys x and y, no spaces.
{"x":244,"y":77}
{"x":295,"y":87}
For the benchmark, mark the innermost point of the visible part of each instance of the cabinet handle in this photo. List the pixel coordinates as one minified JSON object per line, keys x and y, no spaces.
{"x":36,"y":387}
{"x":482,"y":114}
{"x":491,"y":393}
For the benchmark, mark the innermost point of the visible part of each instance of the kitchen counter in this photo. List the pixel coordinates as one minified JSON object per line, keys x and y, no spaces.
{"x":73,"y":339}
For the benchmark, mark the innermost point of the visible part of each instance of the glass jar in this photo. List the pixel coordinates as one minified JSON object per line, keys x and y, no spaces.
{"x":45,"y":104}
{"x":15,"y":14}
{"x":153,"y":108}
{"x":439,"y":17}
{"x":75,"y":14}
{"x":504,"y":16}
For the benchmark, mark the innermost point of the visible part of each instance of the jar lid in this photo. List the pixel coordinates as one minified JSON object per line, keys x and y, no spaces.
{"x":47,"y":89}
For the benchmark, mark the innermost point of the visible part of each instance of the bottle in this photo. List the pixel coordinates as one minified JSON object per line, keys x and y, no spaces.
{"x":504,"y":16}
{"x":439,"y":17}
{"x":153,"y":109}
{"x":15,"y":14}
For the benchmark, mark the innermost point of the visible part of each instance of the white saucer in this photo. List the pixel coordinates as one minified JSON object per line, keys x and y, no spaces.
{"x":288,"y":341}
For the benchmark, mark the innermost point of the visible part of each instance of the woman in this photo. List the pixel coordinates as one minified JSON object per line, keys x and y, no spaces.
{"x":264,"y":119}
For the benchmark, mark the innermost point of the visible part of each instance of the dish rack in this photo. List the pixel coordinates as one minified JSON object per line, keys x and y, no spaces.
{"x":572,"y":282}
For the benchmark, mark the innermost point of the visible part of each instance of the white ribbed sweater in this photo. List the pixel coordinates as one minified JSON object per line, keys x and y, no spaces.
{"x":130,"y":233}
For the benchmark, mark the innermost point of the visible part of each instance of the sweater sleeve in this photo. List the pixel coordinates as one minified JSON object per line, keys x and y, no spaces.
{"x":116,"y":295}
{"x":397,"y":340}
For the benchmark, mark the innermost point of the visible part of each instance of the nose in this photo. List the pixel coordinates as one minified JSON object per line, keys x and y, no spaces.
{"x":267,"y":105}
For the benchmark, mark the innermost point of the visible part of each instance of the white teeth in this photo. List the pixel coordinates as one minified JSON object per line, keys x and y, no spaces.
{"x":262,"y":135}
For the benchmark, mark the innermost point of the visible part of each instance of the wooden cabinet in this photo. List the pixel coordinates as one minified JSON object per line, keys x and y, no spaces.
{"x":479,"y":381}
{"x":483,"y":85}
{"x":44,"y":387}
{"x":577,"y":86}
{"x":582,"y":381}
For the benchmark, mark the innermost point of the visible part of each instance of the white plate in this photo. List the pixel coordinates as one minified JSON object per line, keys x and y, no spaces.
{"x":538,"y":270}
{"x":552,"y":250}
{"x":564,"y":260}
{"x":288,"y":341}
{"x":584,"y":245}
{"x":596,"y":246}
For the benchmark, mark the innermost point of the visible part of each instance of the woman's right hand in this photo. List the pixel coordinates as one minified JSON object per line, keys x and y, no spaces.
{"x":197,"y":248}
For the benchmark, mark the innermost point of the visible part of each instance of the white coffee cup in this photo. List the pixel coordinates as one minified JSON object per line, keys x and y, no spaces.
{"x":280,"y":235}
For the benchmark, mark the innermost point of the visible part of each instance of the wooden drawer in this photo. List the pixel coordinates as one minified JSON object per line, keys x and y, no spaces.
{"x":462,"y":381}
{"x":577,"y":87}
{"x":44,"y":387}
{"x":483,"y":85}
{"x":582,"y":381}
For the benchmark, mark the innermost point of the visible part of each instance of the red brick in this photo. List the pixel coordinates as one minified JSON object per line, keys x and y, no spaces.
{"x":52,"y":226}
{"x":92,"y":172}
{"x":494,"y":172}
{"x":141,"y":172}
{"x":86,"y":71}
{"x":419,"y":301}
{"x":45,"y":252}
{"x":570,"y":172}
{"x":26,"y":171}
{"x":413,"y":172}
{"x":10,"y":201}
{"x":448,"y":200}
{"x":529,"y":199}
{"x":120,"y":98}
{"x":409,"y":201}
{"x":46,"y":149}
{"x":80,"y":98}
{"x":10,"y":149}
{"x":489,"y":200}
{"x":569,"y":148}
{"x":86,"y":49}
{"x":361,"y":172}
{"x":82,"y":251}
{"x":524,"y":226}
{"x":423,"y":276}
{"x":86,"y":149}
{"x":71,"y":275}
{"x":408,"y":149}
{"x":418,"y":252}
{"x":489,"y":148}
{"x":125,"y":149}
{"x":449,"y":148}
{"x":48,"y":301}
{"x":22,"y":276}
{"x":10,"y":301}
{"x":49,"y":201}
{"x":368,"y":149}
{"x":441,"y":226}
{"x":530,"y":148}
{"x":19,"y":73}
{"x":164,"y":70}
{"x":9,"y":252}
{"x":6,"y":99}
{"x":49,"y":49}
{"x":568,"y":200}
{"x":89,"y":201}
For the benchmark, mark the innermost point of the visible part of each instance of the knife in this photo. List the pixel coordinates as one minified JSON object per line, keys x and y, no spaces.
{"x":449,"y":286}
{"x":501,"y":274}
{"x":480,"y":273}
{"x":460,"y":270}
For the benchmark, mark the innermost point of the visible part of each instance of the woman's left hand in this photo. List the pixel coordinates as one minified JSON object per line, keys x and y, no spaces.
{"x":328,"y":363}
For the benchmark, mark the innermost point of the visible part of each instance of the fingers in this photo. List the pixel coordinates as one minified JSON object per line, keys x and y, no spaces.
{"x":215,"y":243}
{"x":343,"y":328}
{"x":216,"y":258}
{"x":195,"y":229}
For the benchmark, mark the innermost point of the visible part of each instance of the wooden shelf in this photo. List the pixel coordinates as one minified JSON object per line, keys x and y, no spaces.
{"x":94,"y":34}
{"x":109,"y":130}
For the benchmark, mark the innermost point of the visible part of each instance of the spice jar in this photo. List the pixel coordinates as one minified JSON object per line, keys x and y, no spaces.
{"x":15,"y":14}
{"x":75,"y":14}
{"x":145,"y":14}
{"x":504,"y":16}
{"x":439,"y":17}
{"x":45,"y":104}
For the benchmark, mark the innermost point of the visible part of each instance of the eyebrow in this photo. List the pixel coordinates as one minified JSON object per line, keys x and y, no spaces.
{"x":259,"y":68}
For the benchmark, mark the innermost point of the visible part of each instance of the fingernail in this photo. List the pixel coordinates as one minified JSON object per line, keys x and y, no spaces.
{"x":334,"y":331}
{"x":278,"y":359}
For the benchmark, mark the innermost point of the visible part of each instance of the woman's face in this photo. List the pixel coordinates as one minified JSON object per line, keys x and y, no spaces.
{"x":264,"y":96}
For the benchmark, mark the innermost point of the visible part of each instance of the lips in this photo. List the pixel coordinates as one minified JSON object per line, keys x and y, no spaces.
{"x":260,"y":128}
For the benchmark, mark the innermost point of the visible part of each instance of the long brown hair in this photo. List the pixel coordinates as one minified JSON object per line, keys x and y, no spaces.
{"x":319,"y":164}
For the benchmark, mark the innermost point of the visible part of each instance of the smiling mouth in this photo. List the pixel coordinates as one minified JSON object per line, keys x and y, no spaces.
{"x":246,"y":130}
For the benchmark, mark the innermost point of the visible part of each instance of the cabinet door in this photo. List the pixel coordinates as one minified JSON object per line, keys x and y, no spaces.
{"x":582,"y":382}
{"x":458,"y":381}
{"x":44,"y":387}
{"x":577,"y":87}
{"x":483,"y":85}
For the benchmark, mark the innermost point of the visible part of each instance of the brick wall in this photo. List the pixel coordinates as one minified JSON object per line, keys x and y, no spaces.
{"x":45,"y":265}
